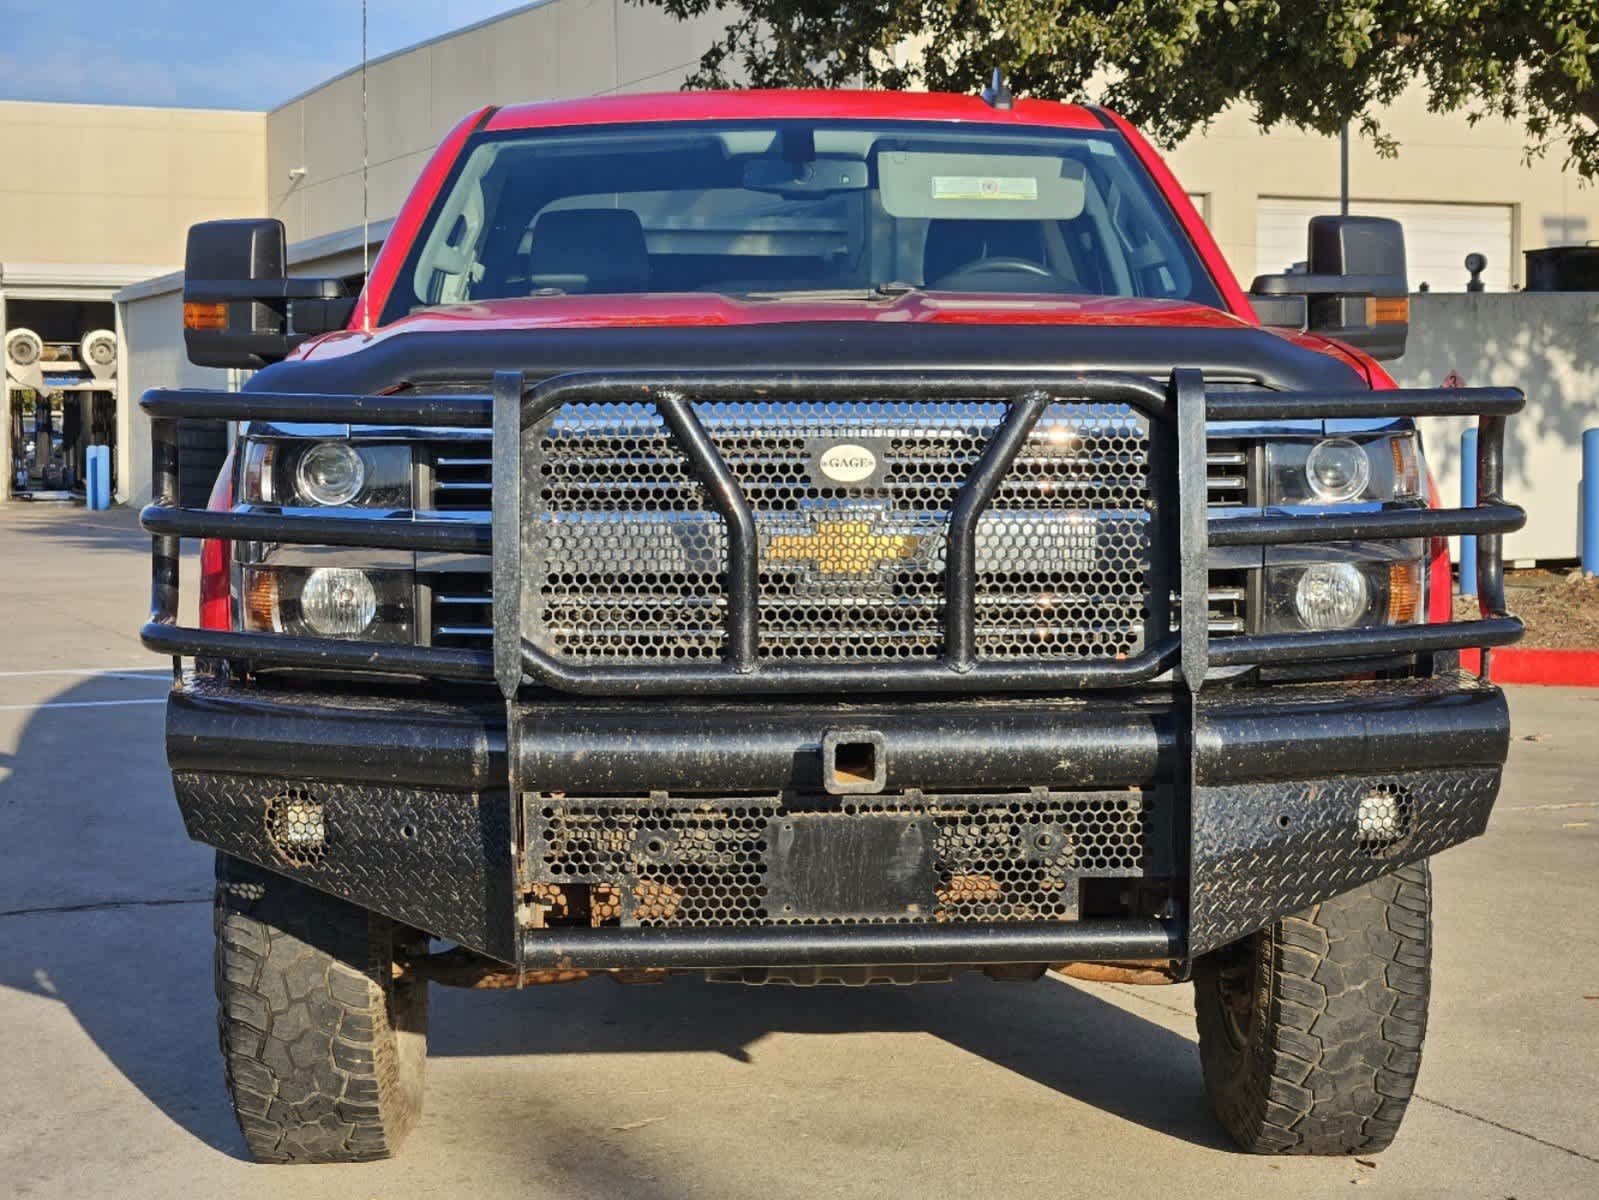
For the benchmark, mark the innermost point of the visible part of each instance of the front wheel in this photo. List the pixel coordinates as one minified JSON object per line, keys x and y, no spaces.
{"x":322,"y":1046}
{"x":1310,"y":1031}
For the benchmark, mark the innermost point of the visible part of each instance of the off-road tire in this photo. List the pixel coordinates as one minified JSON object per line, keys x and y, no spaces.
{"x":1310,"y":1031}
{"x":322,"y":1049}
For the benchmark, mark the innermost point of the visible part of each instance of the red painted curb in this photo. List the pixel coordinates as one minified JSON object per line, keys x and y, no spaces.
{"x":1550,"y":668}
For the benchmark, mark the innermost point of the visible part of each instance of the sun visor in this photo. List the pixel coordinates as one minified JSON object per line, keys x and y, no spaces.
{"x":986,"y":187}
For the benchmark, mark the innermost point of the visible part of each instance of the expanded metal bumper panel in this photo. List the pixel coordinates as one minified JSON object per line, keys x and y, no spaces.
{"x":768,"y":860}
{"x":631,"y":555}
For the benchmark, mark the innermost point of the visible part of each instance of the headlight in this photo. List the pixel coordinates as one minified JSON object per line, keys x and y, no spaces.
{"x":1337,"y":470}
{"x":327,"y":474}
{"x":1343,"y":594}
{"x":330,"y":473}
{"x":1343,"y":470}
{"x":331,"y":602}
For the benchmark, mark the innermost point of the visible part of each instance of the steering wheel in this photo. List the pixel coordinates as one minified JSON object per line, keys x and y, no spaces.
{"x":1001,"y":265}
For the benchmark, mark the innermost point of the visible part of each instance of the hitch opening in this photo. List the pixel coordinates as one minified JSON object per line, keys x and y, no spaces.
{"x":854,"y":762}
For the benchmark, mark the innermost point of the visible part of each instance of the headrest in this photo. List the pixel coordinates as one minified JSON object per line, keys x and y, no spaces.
{"x":589,"y":250}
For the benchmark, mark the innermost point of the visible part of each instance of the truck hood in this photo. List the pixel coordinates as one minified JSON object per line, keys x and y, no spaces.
{"x":463,"y":345}
{"x":667,"y":310}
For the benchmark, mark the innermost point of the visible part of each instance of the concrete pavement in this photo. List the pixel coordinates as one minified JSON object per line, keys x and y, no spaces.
{"x":110,"y":1083}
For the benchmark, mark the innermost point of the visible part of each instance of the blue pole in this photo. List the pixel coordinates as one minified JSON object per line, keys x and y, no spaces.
{"x":1590,"y":502}
{"x":1468,"y":499}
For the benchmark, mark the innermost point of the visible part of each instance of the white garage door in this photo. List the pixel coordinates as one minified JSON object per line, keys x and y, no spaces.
{"x":1437,"y":238}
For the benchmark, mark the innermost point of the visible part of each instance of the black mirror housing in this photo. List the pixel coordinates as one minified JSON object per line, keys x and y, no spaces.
{"x":237,"y":299}
{"x":1355,"y":289}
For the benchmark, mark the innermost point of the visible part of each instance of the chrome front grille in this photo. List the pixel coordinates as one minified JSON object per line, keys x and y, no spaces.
{"x":459,"y":475}
{"x":1229,"y":601}
{"x":461,"y":603}
{"x":627,"y":554}
{"x":1227,"y":473}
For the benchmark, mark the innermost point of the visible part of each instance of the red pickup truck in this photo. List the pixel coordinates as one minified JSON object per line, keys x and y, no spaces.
{"x":820,"y":538}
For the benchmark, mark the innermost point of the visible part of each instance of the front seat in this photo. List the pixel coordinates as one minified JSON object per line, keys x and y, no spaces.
{"x":588,"y":250}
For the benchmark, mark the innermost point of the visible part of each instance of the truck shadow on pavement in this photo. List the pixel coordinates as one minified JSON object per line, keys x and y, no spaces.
{"x":125,"y":946}
{"x":1057,"y":1033}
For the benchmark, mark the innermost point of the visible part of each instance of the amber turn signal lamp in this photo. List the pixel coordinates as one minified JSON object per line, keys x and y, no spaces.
{"x":205,"y":316}
{"x":1388,"y":310}
{"x":1407,"y":471}
{"x":1404,"y":592}
{"x":261,"y":600}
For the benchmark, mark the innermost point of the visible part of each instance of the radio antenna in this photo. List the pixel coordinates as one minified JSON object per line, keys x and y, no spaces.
{"x":366,"y":210}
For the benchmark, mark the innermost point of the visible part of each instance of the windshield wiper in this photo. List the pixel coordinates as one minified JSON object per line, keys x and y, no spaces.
{"x":878,"y":291}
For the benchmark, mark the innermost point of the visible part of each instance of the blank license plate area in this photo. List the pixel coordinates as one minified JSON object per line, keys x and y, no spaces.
{"x":835,"y":866}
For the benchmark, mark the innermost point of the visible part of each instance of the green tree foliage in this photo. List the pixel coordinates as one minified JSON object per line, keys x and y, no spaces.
{"x":1172,"y":65}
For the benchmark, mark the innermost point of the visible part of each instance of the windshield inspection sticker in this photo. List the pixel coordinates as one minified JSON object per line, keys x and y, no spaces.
{"x":984,"y":187}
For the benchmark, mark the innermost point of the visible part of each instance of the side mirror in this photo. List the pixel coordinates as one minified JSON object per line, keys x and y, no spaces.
{"x":1355,"y":289}
{"x":239,"y":308}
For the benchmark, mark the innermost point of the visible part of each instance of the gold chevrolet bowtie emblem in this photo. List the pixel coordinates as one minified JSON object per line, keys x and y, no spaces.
{"x":842,"y":547}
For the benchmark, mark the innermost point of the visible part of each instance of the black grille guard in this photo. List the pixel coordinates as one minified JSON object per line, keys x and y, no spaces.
{"x":1178,"y":410}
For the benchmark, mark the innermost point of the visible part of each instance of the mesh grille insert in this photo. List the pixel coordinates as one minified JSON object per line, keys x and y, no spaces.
{"x":661,"y":861}
{"x":630,"y":555}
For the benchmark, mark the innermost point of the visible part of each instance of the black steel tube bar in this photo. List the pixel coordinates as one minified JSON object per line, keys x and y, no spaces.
{"x":1493,"y":518}
{"x":1260,"y":649}
{"x":1490,"y":489}
{"x":743,"y":544}
{"x":780,"y":678}
{"x":463,"y":410}
{"x":960,"y":547}
{"x":329,"y":653}
{"x":506,"y":502}
{"x":1193,"y":534}
{"x":837,"y":946}
{"x":1223,"y":405}
{"x":459,"y":537}
{"x":168,"y":523}
{"x":616,"y":387}
{"x":165,"y":548}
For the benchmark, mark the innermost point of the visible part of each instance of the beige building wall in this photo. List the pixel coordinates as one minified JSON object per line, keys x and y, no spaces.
{"x":1441,"y":158}
{"x":565,"y":48}
{"x":102,"y":184}
{"x":553,"y":50}
{"x":1543,"y":343}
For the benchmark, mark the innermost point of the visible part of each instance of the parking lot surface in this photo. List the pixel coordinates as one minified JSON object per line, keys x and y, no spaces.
{"x":110,"y":1083}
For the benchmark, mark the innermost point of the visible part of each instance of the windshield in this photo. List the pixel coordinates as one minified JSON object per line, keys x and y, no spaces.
{"x":756,"y":209}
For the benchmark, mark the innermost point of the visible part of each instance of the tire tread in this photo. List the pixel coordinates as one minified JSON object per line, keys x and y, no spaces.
{"x":314,"y":1067}
{"x":1339,"y":1018}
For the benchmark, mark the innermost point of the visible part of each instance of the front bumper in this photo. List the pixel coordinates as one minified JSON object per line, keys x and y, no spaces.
{"x":1254,"y":803}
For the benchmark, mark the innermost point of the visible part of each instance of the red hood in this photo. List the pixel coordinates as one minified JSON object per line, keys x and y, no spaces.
{"x":668,"y":309}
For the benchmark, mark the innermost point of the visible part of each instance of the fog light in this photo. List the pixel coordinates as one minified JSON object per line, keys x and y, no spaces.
{"x":338,"y":601}
{"x":1383,"y":821}
{"x":330,"y":473}
{"x":1330,"y":596}
{"x":1377,"y":816}
{"x":297,"y":828}
{"x":1337,"y":470}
